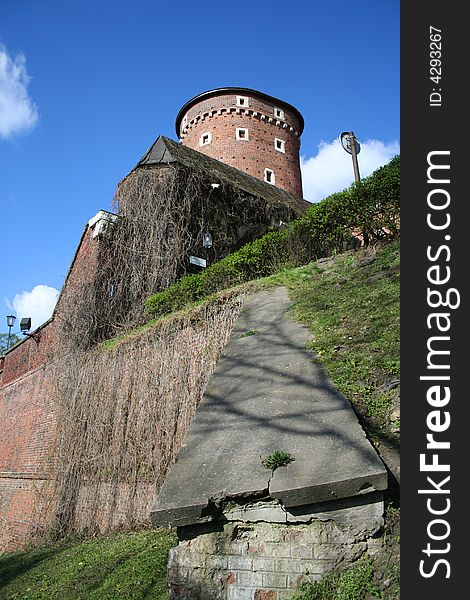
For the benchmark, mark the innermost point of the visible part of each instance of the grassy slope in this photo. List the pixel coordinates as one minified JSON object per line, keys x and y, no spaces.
{"x":350,"y":303}
{"x":123,"y":565}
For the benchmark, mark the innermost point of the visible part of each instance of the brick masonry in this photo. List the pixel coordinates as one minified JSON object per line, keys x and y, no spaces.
{"x":28,"y":417}
{"x":261,"y":560}
{"x":27,"y":421}
{"x":220,"y":116}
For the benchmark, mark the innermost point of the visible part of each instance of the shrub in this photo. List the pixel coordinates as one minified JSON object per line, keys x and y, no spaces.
{"x":368,"y":209}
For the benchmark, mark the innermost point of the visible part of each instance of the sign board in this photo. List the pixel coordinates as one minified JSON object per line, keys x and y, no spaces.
{"x":345,"y":139}
{"x":201,"y":262}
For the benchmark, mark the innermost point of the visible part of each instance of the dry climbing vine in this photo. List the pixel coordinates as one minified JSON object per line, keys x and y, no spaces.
{"x":122,"y":411}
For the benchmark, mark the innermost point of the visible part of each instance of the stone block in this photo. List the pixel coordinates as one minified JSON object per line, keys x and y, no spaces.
{"x":288,"y":565}
{"x":327,"y":552}
{"x":280,"y":550}
{"x":240,"y":563}
{"x":237,"y":548}
{"x":217,"y":562}
{"x":269,"y":512}
{"x":250,"y":578}
{"x":316,"y":566}
{"x":274,"y":580}
{"x":263,"y":564}
{"x":239,"y":593}
{"x":265,"y":595}
{"x":374,"y":546}
{"x":301,"y":551}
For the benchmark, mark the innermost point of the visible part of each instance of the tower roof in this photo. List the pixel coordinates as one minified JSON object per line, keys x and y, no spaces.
{"x":236,"y":90}
{"x":165,"y":150}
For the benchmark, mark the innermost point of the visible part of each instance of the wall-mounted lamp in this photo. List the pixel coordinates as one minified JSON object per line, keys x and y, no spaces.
{"x":25,"y":326}
{"x":207,"y":240}
{"x":10,"y":322}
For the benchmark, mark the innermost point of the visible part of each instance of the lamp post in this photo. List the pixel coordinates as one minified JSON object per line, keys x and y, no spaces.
{"x":10,"y":322}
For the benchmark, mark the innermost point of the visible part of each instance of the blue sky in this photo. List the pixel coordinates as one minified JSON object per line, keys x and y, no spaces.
{"x":86,"y":87}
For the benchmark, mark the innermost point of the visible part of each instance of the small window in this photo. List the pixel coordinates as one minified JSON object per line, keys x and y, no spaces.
{"x":242,"y":101}
{"x":242,"y":133}
{"x":184,"y":122}
{"x":280,"y":145}
{"x":269,"y":176}
{"x":278,"y":113}
{"x":205,"y":139}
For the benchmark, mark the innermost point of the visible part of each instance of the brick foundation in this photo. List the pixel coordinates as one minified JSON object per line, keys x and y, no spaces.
{"x":252,"y":559}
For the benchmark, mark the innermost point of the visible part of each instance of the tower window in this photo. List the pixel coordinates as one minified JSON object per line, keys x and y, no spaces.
{"x":269,"y":176}
{"x":278,"y":113}
{"x":242,"y":101}
{"x":280,"y":145}
{"x":242,"y":133}
{"x":205,"y":138}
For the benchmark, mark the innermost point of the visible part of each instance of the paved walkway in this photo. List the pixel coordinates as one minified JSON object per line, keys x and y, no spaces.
{"x":268,"y":393}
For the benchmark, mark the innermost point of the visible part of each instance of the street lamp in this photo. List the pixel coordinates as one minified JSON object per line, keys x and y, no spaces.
{"x":10,"y":322}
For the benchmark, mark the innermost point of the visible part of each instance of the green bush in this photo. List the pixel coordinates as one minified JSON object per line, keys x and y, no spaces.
{"x":369,"y":208}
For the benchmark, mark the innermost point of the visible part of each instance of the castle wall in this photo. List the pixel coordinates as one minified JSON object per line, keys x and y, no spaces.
{"x":220,"y":116}
{"x":155,"y":379}
{"x":28,"y":419}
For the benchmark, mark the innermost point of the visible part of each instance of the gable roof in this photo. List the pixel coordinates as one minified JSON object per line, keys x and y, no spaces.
{"x":167,"y":151}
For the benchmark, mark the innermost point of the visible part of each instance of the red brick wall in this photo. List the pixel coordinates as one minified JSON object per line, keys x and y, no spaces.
{"x":26,"y":423}
{"x":27,"y":420}
{"x":256,"y":153}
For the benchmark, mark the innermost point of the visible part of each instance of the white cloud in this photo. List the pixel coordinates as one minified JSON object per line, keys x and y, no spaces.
{"x":37,"y":304}
{"x":18,"y":113}
{"x":331,"y":169}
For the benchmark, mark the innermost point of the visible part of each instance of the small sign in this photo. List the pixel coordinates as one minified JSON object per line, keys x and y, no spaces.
{"x":345,"y":139}
{"x":201,"y":262}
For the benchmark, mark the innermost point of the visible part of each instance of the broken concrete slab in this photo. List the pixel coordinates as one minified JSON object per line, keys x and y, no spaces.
{"x":268,"y":393}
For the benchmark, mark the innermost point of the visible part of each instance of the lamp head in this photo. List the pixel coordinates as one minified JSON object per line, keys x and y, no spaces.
{"x":25,"y":324}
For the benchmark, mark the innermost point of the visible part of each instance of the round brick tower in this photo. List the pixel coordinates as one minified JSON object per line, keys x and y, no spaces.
{"x":247,"y":129}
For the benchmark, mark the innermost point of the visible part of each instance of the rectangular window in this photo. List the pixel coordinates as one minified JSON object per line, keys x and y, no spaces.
{"x":205,"y":139}
{"x":280,"y":145}
{"x":269,"y":176}
{"x":242,"y":133}
{"x":278,"y":113}
{"x":242,"y":101}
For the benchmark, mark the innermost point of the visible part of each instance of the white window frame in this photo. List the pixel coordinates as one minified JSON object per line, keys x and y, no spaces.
{"x":202,"y":136}
{"x":272,"y":179}
{"x":243,"y":101}
{"x":282,"y":147}
{"x":184,"y":122}
{"x":279,"y":113}
{"x":238,"y":137}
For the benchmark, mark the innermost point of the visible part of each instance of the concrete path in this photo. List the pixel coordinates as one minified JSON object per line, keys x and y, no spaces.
{"x":267,"y":393}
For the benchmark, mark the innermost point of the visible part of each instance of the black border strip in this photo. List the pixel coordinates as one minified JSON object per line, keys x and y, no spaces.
{"x":433,"y":124}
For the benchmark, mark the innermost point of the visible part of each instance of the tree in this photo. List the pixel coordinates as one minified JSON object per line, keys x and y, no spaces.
{"x":14,"y":339}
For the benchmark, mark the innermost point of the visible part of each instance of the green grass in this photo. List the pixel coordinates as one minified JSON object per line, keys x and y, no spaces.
{"x":123,"y":565}
{"x":355,"y":583}
{"x":351,"y":306}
